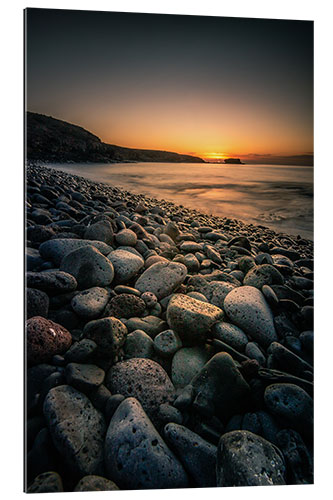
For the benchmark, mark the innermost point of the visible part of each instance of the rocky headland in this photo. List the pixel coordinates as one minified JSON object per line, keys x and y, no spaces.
{"x":165,"y":348}
{"x":52,"y":140}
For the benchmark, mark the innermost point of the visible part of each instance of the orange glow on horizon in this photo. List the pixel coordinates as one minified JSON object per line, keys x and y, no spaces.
{"x":215,"y":156}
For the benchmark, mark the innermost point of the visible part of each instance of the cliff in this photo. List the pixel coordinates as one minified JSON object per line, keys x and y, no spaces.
{"x":52,"y":140}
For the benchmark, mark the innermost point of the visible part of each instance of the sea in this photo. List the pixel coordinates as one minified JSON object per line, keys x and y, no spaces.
{"x":276,"y":196}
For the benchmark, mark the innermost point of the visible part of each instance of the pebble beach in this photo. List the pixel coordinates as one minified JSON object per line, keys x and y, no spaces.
{"x":165,"y":348}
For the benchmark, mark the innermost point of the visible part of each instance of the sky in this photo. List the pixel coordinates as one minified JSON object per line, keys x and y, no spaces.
{"x":209,"y":86}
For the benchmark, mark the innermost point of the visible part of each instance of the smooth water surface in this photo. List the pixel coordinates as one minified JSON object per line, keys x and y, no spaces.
{"x":276,"y":196}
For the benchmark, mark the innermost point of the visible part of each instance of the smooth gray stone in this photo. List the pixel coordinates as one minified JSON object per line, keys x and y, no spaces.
{"x":245,"y":459}
{"x":126,"y":237}
{"x":191,"y":247}
{"x":253,"y":352}
{"x":282,"y":260}
{"x":90,"y":303}
{"x":55,"y":250}
{"x":197,"y":455}
{"x":230,"y":334}
{"x":247,"y":308}
{"x":133,"y":444}
{"x":246,"y":263}
{"x":288,"y":252}
{"x":270,"y":295}
{"x":168,"y":413}
{"x":126,"y":265}
{"x":162,"y":278}
{"x":51,"y":281}
{"x":138,"y":345}
{"x":100,"y":231}
{"x":187,"y":362}
{"x":89,"y":267}
{"x":292,"y":405}
{"x":77,"y":429}
{"x":149,"y":324}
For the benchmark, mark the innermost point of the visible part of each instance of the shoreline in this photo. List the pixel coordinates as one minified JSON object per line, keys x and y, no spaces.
{"x":182,"y":338}
{"x":218,"y":220}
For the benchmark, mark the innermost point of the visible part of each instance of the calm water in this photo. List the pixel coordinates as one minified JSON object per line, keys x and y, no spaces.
{"x":276,"y":196}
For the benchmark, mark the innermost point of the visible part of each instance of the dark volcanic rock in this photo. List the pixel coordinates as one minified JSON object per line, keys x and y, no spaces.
{"x":44,"y":339}
{"x":84,"y":377}
{"x":219,"y":388}
{"x":197,"y":455}
{"x":245,"y":459}
{"x":77,"y":429}
{"x":48,"y":482}
{"x":80,"y":351}
{"x":90,"y":303}
{"x":52,"y":281}
{"x":133,"y":444}
{"x":33,"y":259}
{"x":265,"y":274}
{"x":39,"y":234}
{"x":292,"y":405}
{"x":35,"y":378}
{"x":95,"y":483}
{"x":37,"y":303}
{"x":125,"y":305}
{"x":298,"y":459}
{"x":144,"y":380}
{"x":108,"y":333}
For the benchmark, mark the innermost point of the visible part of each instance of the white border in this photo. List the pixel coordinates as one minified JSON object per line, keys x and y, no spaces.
{"x":11,"y":32}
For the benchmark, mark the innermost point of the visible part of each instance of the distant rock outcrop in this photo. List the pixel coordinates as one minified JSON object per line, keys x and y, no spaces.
{"x":233,"y":160}
{"x":52,"y":140}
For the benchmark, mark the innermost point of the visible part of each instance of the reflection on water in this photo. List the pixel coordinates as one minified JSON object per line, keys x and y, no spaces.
{"x":277,"y":196}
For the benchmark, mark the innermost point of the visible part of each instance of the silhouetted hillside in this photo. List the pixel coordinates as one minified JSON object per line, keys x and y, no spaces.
{"x":54,"y":140}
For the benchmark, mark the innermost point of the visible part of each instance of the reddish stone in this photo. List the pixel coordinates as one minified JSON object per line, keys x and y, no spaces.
{"x":45,"y":339}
